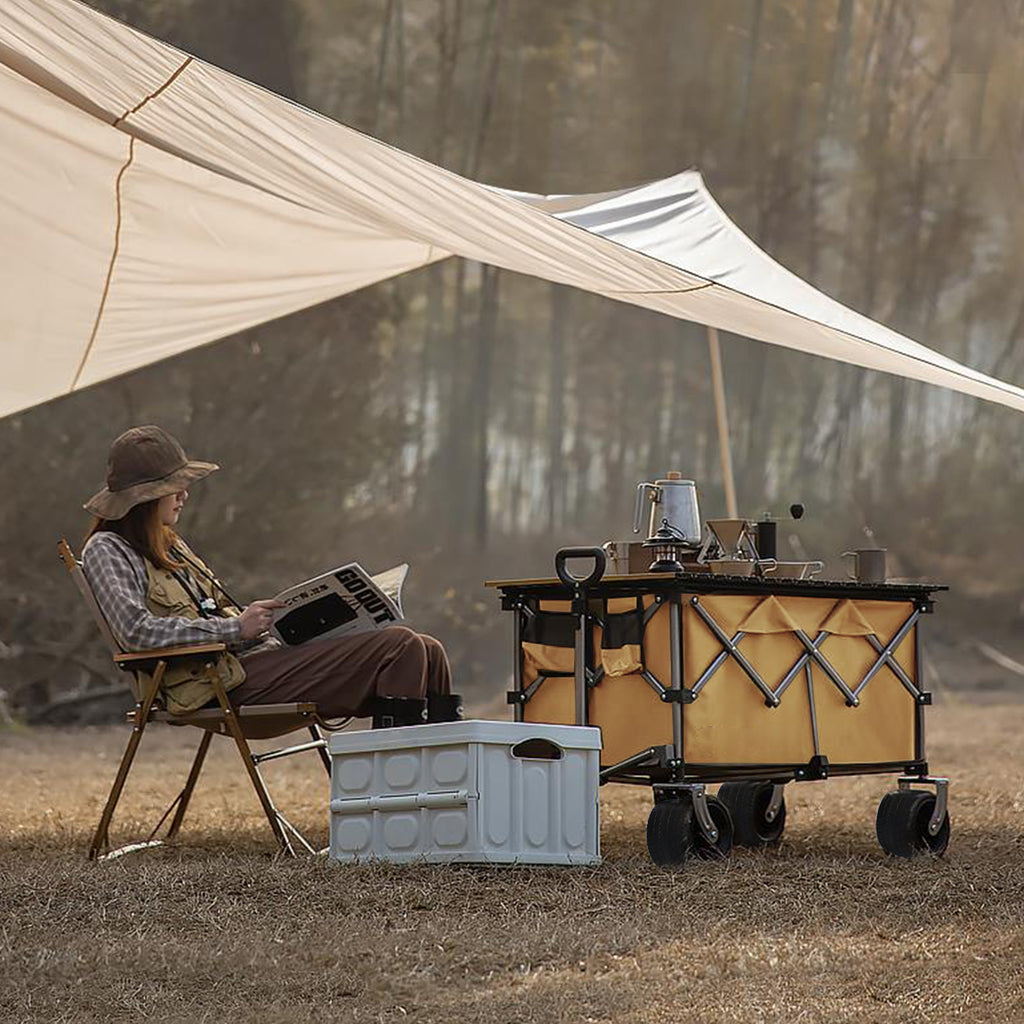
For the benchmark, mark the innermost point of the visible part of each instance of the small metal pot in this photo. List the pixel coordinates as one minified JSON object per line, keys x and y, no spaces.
{"x":673,"y":501}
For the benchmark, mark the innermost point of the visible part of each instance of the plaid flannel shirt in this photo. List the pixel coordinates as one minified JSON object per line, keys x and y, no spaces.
{"x":117,"y":574}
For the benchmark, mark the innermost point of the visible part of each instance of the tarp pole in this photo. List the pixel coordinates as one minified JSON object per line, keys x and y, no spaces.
{"x":722,"y":415}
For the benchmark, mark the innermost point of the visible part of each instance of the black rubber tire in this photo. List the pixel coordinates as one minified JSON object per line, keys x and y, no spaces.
{"x":722,"y":847}
{"x":747,"y":803}
{"x":670,"y":832}
{"x":902,"y":824}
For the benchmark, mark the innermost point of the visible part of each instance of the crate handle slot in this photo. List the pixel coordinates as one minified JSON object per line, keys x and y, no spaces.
{"x":538,"y":750}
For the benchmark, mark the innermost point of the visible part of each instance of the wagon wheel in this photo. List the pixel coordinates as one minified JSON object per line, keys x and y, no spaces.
{"x":748,"y":803}
{"x":722,"y":846}
{"x":902,"y":824}
{"x":670,"y":832}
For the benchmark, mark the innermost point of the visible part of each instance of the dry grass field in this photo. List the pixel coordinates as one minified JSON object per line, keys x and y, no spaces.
{"x":824,"y":928}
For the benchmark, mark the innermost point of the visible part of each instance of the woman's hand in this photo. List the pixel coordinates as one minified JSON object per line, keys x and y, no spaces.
{"x":257,"y":618}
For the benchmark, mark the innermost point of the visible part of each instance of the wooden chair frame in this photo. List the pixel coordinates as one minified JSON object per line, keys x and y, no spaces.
{"x":254,"y":721}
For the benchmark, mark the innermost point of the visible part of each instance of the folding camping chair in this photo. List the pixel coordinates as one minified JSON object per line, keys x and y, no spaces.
{"x":255,"y":721}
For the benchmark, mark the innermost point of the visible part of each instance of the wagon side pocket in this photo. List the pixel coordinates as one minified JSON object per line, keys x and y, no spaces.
{"x":548,"y":641}
{"x":622,"y":637}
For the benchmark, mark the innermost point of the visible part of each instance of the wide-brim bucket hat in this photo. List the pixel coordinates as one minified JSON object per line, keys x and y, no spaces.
{"x":144,"y":463}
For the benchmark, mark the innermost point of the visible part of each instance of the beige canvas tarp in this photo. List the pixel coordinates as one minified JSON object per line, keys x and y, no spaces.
{"x":150,"y":203}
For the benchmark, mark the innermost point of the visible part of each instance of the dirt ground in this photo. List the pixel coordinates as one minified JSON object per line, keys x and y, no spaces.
{"x":823,"y":928}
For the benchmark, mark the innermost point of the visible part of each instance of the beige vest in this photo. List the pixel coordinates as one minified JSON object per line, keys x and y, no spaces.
{"x":185,"y":686}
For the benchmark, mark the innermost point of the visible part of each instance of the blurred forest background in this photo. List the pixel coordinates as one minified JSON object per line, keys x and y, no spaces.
{"x":471,"y":421}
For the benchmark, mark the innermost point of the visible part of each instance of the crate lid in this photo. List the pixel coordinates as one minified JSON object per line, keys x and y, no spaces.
{"x":568,"y":737}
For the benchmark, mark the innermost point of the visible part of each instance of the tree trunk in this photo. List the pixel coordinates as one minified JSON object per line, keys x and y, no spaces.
{"x":483,"y":364}
{"x":382,"y":64}
{"x":749,"y":74}
{"x":556,"y":405}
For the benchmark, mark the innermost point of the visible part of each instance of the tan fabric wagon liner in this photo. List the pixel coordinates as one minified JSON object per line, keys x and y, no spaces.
{"x":729,"y":723}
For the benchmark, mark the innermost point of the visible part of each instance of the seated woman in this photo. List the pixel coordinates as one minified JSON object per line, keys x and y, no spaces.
{"x":156,"y":592}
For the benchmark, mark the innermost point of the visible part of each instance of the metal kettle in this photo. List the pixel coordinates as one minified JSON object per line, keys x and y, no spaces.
{"x":673,"y":503}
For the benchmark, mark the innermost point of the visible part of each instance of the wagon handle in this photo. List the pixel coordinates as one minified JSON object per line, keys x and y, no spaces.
{"x":600,"y":561}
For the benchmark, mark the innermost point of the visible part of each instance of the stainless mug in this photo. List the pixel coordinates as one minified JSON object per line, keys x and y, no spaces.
{"x":868,"y":564}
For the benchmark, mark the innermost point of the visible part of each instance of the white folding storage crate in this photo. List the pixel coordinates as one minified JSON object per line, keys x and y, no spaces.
{"x":472,"y":791}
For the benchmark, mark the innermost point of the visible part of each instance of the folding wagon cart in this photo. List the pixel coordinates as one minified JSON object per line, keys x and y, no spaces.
{"x":750,"y":682}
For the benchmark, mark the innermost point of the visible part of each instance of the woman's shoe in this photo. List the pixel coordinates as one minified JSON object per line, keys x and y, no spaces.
{"x":444,"y":707}
{"x":389,"y":712}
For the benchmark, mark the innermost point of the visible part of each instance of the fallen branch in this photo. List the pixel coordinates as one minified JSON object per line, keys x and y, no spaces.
{"x":1002,"y":660}
{"x":55,"y":670}
{"x":71,"y":699}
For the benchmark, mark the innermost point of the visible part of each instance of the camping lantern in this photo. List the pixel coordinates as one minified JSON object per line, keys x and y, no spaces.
{"x":667,"y":546}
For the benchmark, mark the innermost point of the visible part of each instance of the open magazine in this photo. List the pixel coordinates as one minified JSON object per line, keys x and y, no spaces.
{"x":341,"y":602}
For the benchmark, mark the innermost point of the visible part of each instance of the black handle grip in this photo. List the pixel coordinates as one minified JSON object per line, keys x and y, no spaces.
{"x":597,"y":554}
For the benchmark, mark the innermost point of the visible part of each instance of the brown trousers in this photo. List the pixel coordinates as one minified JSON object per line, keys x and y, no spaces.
{"x":343,"y":675}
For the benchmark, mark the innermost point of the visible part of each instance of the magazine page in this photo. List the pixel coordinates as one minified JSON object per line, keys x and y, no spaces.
{"x":390,"y":582}
{"x":342,"y":602}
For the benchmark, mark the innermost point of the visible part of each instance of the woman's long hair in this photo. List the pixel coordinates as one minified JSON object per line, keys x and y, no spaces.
{"x":142,"y":528}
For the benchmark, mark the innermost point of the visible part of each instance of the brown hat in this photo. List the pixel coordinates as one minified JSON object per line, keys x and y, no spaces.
{"x":144,"y":463}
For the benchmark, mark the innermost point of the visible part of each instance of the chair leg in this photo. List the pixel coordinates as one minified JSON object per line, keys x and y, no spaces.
{"x":142,"y":709}
{"x":193,"y":778}
{"x":325,"y":758}
{"x":231,"y":720}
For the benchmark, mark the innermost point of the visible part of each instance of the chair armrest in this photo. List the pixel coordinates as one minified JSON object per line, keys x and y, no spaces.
{"x":166,"y":653}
